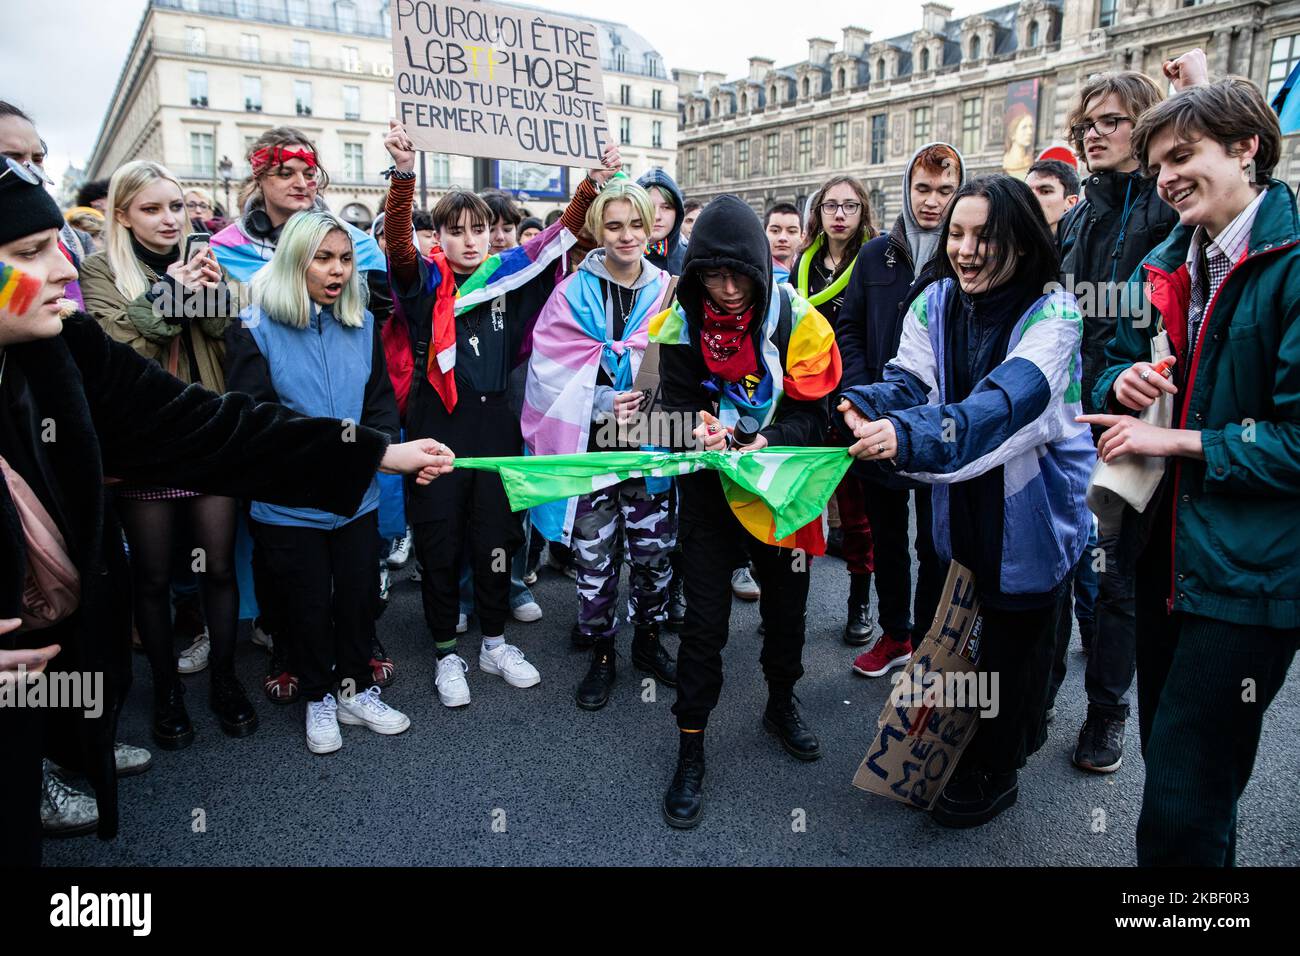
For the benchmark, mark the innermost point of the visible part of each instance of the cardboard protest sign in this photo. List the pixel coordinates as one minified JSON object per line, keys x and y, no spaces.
{"x":921,"y":733}
{"x":499,"y":82}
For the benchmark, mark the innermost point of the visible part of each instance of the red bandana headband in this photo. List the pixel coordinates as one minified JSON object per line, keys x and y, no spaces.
{"x":278,"y":155}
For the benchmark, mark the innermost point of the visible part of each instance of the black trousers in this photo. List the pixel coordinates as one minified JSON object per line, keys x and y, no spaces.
{"x":467,"y":508}
{"x":1017,"y":646}
{"x":327,"y":586}
{"x":713,"y":544}
{"x":1112,"y":659}
{"x":1203,"y":688}
{"x":887,"y":510}
{"x":22,"y":740}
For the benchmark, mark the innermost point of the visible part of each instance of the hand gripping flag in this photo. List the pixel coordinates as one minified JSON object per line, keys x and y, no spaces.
{"x":773,"y":492}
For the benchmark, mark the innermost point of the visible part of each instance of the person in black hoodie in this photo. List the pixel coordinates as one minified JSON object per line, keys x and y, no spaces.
{"x":1102,"y":241}
{"x":723,"y":344}
{"x":888,"y":273}
{"x":665,"y":250}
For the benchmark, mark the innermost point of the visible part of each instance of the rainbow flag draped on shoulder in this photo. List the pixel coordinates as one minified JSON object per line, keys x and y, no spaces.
{"x":774,"y":492}
{"x":812,"y":371}
{"x":499,"y":274}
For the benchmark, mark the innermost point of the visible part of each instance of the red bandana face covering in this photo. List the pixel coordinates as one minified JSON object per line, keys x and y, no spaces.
{"x":726,"y":343}
{"x":278,"y":156}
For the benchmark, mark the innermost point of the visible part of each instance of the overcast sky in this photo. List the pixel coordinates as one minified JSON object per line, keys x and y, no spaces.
{"x":60,"y":59}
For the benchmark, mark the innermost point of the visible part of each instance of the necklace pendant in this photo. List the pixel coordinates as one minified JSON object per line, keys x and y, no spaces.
{"x":473,"y":343}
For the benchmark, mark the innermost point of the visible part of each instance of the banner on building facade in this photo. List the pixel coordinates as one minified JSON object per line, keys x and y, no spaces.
{"x":478,"y":79}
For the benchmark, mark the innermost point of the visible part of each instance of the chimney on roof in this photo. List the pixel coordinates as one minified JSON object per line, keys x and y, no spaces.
{"x":709,"y":80}
{"x":934,"y":16}
{"x":688,"y":81}
{"x":819,"y":50}
{"x":856,"y":40}
{"x":758,"y":67}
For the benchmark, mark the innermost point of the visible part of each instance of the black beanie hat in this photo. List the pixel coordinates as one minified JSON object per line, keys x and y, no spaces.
{"x":25,"y":209}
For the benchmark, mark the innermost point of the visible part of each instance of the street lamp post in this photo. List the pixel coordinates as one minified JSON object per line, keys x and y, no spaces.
{"x":226,"y":168}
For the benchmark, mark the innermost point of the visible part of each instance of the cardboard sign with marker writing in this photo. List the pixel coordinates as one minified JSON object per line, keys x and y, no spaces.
{"x":500,"y":82}
{"x":918,"y":744}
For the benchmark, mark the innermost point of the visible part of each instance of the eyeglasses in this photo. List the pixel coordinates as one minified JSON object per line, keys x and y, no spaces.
{"x":197,"y":204}
{"x":1103,"y":126}
{"x":28,"y":172}
{"x":720,"y":278}
{"x":850,"y":208}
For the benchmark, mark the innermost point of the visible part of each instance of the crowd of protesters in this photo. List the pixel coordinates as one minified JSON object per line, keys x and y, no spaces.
{"x":952,"y":352}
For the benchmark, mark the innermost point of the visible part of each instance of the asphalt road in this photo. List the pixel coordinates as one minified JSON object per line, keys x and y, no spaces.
{"x":523,"y":777}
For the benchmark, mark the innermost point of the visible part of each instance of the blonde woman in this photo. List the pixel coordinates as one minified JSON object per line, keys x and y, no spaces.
{"x":309,"y":343}
{"x":144,"y":296}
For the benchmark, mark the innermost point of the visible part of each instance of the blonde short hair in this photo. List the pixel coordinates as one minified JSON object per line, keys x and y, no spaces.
{"x":619,"y":189}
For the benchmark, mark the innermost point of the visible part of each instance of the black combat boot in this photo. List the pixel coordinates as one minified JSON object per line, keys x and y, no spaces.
{"x":860,"y":628}
{"x":649,"y":655}
{"x":684,"y":800}
{"x":782,"y":718}
{"x":593,"y":692}
{"x":172,"y":729}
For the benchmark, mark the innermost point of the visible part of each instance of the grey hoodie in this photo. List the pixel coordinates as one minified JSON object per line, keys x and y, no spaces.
{"x":924,"y":242}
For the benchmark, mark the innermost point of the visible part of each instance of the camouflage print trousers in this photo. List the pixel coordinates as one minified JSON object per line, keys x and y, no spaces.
{"x":603,"y":519}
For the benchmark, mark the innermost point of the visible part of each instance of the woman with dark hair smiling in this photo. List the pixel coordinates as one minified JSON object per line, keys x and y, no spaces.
{"x":980,"y":401}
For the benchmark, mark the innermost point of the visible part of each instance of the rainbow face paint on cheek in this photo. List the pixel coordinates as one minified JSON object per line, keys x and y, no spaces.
{"x":17,"y":289}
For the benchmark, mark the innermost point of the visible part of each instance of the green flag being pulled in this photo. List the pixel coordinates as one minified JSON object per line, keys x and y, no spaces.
{"x":774,"y":492}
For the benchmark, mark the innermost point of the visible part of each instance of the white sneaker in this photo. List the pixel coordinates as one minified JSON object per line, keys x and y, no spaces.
{"x":131,"y":760}
{"x":453,"y":689}
{"x":323,"y":735}
{"x":195,"y":657}
{"x":528,"y":613}
{"x":507,"y":662}
{"x":744,"y":586}
{"x":400,"y":552}
{"x":462,"y":624}
{"x":66,"y":811}
{"x":367,"y":709}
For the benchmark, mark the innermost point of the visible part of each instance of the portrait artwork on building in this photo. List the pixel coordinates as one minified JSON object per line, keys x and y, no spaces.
{"x":1020,"y":127}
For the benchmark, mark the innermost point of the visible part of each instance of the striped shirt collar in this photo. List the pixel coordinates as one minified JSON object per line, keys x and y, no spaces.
{"x":1231,"y":243}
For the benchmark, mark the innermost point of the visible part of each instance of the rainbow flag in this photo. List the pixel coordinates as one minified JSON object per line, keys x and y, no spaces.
{"x":17,"y":289}
{"x":774,"y":493}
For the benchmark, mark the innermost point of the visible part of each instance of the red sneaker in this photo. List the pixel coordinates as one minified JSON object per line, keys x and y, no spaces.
{"x":884,"y":656}
{"x":280,"y":687}
{"x":382,"y":670}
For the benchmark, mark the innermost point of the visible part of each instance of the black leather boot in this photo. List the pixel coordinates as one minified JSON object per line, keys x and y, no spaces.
{"x":676,"y":603}
{"x":231,"y":705}
{"x":172,"y":729}
{"x":580,"y":640}
{"x":684,"y":800}
{"x":649,"y":655}
{"x":593,"y":692}
{"x":782,"y":718}
{"x":860,"y":627}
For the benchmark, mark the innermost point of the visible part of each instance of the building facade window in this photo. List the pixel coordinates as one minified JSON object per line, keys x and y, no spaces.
{"x":198,"y":84}
{"x":439,"y":170}
{"x":620,"y":61}
{"x":1286,"y":51}
{"x":624,"y":94}
{"x":202,"y":153}
{"x":352,"y":102}
{"x":196,"y":41}
{"x":805,"y":86}
{"x":302,"y":97}
{"x":1106,"y":13}
{"x":657,"y":99}
{"x":805,"y":150}
{"x":352,"y":59}
{"x":253,"y":94}
{"x":920,"y":126}
{"x":976,"y":48}
{"x":246,"y":9}
{"x":880,"y":70}
{"x":772,"y":99}
{"x":625,"y":131}
{"x":354,"y":162}
{"x":839,"y":145}
{"x":250,"y":47}
{"x":773,"y":150}
{"x":1033,"y":35}
{"x":742,"y":159}
{"x":972,"y":118}
{"x":345,"y":15}
{"x":840,"y":82}
{"x":715,"y":163}
{"x":690,"y":167}
{"x":657,"y":134}
{"x":878,"y":138}
{"x":301,"y":53}
{"x":877,"y":200}
{"x":925,"y":61}
{"x":297,"y":10}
